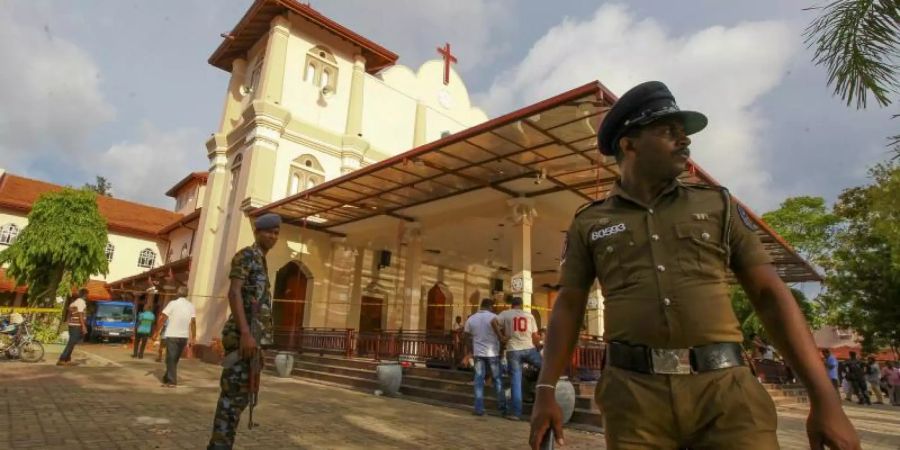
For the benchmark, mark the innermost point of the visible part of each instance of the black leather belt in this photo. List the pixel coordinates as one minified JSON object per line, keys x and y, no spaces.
{"x":674,"y":361}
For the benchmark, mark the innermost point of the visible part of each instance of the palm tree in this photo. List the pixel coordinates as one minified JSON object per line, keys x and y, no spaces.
{"x":858,"y":41}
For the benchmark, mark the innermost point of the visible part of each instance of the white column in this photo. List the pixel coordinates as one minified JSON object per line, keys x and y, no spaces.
{"x":522,"y":214}
{"x":358,"y":255}
{"x":412,"y":277}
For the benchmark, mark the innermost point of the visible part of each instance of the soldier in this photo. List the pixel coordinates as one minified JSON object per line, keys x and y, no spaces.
{"x":661,"y":249}
{"x":249,"y":299}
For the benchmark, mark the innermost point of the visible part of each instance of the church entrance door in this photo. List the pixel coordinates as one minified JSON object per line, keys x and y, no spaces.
{"x":288,"y":304}
{"x":370,"y":313}
{"x":437,"y":309}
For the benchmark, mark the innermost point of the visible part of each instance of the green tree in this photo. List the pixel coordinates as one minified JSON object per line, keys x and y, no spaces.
{"x":750,"y":322}
{"x":863,"y":277}
{"x":65,"y":238}
{"x":101,"y":187}
{"x":807,"y":224}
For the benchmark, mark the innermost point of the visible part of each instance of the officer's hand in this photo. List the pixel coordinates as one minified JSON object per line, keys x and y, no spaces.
{"x":248,"y":346}
{"x":545,"y":414}
{"x":829,"y":427}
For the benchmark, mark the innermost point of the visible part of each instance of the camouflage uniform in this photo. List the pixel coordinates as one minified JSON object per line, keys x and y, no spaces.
{"x":249,"y":265}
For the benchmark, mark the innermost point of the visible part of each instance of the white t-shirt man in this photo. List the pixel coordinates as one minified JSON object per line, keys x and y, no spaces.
{"x":76,"y":312}
{"x":519,"y":325}
{"x":180,"y":312}
{"x":485,"y":340}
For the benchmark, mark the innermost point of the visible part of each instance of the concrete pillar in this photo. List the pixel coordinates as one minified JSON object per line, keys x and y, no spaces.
{"x":355,"y":109}
{"x":231,"y":111}
{"x":340,"y":283}
{"x":421,"y":129}
{"x":594,"y":311}
{"x":272,"y":82}
{"x":358,"y":256}
{"x":522,"y":214}
{"x":412,"y":277}
{"x":205,"y":259}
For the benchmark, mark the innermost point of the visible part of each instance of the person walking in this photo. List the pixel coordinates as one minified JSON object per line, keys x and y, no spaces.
{"x":181,"y":330}
{"x":484,"y":329}
{"x":891,"y":374}
{"x":661,"y":250}
{"x":247,"y":330}
{"x":856,"y":376}
{"x":873,"y":379}
{"x":519,"y":333}
{"x":77,"y":328}
{"x":144,"y":328}
{"x":831,"y":366}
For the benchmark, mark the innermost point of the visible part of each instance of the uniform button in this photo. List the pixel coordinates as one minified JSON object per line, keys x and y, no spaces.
{"x":650,"y":210}
{"x":666,"y":301}
{"x":655,"y":237}
{"x":609,"y":249}
{"x":705,"y":236}
{"x":661,"y":268}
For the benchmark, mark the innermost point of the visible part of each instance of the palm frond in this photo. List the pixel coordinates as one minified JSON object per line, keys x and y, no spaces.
{"x":858,"y":41}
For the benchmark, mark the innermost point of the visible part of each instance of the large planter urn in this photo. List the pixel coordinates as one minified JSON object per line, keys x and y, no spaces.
{"x":284,"y":364}
{"x":390,"y":376}
{"x":565,"y":397}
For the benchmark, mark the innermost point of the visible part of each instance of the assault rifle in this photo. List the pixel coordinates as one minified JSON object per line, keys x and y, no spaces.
{"x":255,"y":360}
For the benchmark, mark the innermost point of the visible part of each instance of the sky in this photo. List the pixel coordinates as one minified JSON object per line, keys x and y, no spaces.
{"x":122,"y":89}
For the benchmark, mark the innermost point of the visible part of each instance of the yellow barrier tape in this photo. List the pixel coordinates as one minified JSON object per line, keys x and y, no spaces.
{"x":27,"y":310}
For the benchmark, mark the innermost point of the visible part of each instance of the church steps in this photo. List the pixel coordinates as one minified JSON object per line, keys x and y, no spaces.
{"x":364,"y":384}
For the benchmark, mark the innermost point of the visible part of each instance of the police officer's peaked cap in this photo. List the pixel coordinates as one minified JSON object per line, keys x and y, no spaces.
{"x":267,"y":222}
{"x":639,"y":106}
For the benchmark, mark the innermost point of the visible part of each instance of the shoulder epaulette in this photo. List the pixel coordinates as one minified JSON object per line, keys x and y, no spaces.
{"x":587,"y":205}
{"x":712,"y":187}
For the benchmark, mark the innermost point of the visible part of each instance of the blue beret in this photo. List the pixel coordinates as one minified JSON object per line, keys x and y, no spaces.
{"x":267,"y":222}
{"x":639,"y":106}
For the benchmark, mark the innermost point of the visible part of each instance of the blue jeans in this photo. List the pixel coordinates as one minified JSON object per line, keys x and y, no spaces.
{"x":515,"y":358}
{"x":494,"y":363}
{"x":74,"y":338}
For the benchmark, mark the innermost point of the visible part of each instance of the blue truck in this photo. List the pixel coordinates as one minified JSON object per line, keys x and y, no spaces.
{"x":112,"y":320}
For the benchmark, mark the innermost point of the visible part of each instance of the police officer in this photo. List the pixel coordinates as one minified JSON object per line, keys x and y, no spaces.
{"x":249,"y":289}
{"x":661,"y":250}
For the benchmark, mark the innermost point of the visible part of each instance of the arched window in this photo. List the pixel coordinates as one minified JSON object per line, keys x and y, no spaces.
{"x":147,"y":259}
{"x":110,"y":251}
{"x":255,"y":76}
{"x":8,"y":234}
{"x":321,"y":69}
{"x":236,"y":170}
{"x":306,"y":173}
{"x":185,"y":252}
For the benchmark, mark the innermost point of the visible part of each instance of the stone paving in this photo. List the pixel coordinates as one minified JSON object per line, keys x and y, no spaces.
{"x":112,"y":401}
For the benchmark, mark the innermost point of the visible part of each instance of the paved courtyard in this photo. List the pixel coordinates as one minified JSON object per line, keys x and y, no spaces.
{"x":112,"y":401}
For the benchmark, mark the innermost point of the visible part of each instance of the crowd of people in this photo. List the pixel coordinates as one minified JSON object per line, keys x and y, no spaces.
{"x":864,"y":379}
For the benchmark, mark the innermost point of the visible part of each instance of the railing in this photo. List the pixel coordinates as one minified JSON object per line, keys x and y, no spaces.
{"x":443,"y":349}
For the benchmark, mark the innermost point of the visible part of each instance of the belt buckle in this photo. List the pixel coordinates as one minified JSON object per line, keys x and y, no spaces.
{"x":674,"y":361}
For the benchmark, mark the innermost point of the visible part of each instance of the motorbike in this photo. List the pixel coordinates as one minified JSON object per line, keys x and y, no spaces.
{"x":17,"y":341}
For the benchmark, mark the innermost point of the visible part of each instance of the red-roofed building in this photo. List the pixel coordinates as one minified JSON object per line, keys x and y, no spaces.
{"x":141,"y":237}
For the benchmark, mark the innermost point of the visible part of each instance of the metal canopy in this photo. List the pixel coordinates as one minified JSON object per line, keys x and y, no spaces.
{"x":545,"y":148}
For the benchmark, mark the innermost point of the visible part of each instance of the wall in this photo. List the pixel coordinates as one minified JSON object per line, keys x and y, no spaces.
{"x":177,"y":239}
{"x":125,"y":259}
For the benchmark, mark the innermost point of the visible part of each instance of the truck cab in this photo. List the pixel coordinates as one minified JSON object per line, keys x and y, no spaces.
{"x":112,"y":320}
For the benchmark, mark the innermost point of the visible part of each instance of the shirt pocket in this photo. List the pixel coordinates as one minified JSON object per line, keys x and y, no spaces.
{"x":700,"y":252}
{"x":613,"y":270}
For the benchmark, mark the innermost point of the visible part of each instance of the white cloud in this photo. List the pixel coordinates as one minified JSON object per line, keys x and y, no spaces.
{"x":721,"y":71}
{"x":414,"y":29}
{"x":145,"y":169}
{"x":50,"y":93}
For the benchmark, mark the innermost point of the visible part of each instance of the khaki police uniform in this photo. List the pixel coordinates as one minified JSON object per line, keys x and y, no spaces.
{"x":663,"y":270}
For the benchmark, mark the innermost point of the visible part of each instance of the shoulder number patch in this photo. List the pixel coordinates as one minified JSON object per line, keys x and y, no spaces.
{"x":608,"y":231}
{"x":748,"y":222}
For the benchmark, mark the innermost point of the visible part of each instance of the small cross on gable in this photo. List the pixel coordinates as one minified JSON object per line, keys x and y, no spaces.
{"x":448,"y":59}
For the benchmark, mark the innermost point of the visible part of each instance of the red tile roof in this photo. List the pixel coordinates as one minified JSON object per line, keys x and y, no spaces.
{"x":200,"y":177}
{"x":256,"y":22}
{"x":19,"y":193}
{"x":843,"y":353}
{"x":96,"y":289}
